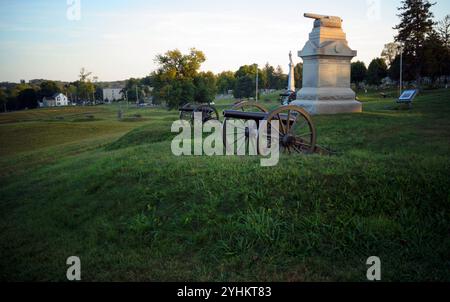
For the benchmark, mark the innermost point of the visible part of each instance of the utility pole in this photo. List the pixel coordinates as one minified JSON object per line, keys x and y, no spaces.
{"x":401,"y":68}
{"x":137,"y":96}
{"x":257,"y":76}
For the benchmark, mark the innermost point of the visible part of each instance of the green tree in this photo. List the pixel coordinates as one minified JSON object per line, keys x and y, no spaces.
{"x":435,"y":57}
{"x":48,"y":89}
{"x":245,"y":87}
{"x":377,"y":71}
{"x":225,"y":81}
{"x":444,"y":30}
{"x":390,"y":51}
{"x":27,"y":98}
{"x":280,"y":80}
{"x":72,"y":92}
{"x":298,"y":75}
{"x":177,"y":65}
{"x":358,"y":72}
{"x":132,"y":88}
{"x":85,"y":87}
{"x":173,"y":81}
{"x":180,"y":91}
{"x":394,"y":69}
{"x":3,"y":100}
{"x":416,"y":22}
{"x":205,"y":87}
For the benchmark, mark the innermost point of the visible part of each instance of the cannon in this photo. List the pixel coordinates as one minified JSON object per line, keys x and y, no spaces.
{"x":208,"y":112}
{"x":325,"y":21}
{"x":296,"y":131}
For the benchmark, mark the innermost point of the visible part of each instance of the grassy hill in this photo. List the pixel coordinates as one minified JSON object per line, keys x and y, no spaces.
{"x":77,"y":181}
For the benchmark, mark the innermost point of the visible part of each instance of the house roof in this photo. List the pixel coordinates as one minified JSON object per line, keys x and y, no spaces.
{"x":48,"y":98}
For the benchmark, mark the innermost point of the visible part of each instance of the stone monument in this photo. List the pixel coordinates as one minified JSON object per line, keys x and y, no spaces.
{"x":326,"y":69}
{"x":290,"y":94}
{"x":291,"y":80}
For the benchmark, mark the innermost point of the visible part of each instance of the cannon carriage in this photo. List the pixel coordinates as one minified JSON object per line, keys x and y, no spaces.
{"x":208,"y":112}
{"x":296,"y":131}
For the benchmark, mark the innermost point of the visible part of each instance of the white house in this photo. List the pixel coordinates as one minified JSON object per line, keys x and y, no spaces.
{"x":56,"y":100}
{"x":112,"y":94}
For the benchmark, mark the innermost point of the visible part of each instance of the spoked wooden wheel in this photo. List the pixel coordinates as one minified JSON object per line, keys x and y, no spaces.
{"x":245,"y":136}
{"x":249,"y":106}
{"x":296,"y":130}
{"x":243,"y":139}
{"x":208,"y":113}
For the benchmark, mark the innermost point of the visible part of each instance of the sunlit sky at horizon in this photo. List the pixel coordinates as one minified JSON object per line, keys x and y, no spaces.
{"x":117,"y":40}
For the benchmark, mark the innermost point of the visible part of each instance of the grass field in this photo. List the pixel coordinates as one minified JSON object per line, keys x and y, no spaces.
{"x":77,"y":181}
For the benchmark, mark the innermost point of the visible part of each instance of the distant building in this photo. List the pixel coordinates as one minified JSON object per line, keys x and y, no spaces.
{"x":56,"y":100}
{"x":112,"y":94}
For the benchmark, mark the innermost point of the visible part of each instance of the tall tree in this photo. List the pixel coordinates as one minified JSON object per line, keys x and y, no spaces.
{"x":298,"y":75}
{"x":225,"y":81}
{"x":173,"y":81}
{"x":85,"y":87}
{"x":377,"y":71}
{"x":245,"y":87}
{"x":416,"y":22}
{"x":132,"y":88}
{"x":390,"y":51}
{"x":177,"y":65}
{"x":280,"y":78}
{"x":205,"y":87}
{"x":3,"y":100}
{"x":27,"y":98}
{"x":269,"y":75}
{"x":358,"y":72}
{"x":444,"y":30}
{"x":48,"y":88}
{"x":435,"y":57}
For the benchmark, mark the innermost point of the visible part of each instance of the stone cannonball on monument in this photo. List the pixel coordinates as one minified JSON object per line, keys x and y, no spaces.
{"x":326,"y":69}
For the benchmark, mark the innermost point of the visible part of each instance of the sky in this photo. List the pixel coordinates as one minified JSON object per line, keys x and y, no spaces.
{"x":119,"y":39}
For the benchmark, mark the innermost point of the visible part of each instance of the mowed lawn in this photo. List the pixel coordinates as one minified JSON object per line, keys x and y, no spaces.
{"x":77,"y":181}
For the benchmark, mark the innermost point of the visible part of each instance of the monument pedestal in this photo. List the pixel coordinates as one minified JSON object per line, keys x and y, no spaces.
{"x":326,"y":69}
{"x":329,"y":107}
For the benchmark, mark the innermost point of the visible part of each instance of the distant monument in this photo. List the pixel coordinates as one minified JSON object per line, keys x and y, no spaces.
{"x":291,"y":80}
{"x":326,"y":69}
{"x":290,"y":93}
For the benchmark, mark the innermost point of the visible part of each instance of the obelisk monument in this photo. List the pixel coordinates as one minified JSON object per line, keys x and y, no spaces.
{"x":291,"y":79}
{"x":326,"y":69}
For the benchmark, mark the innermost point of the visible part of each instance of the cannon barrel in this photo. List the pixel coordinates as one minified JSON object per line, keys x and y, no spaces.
{"x":256,"y":116}
{"x":238,"y":114}
{"x":314,"y":16}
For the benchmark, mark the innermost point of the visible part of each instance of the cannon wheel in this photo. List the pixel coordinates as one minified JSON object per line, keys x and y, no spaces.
{"x":297,"y":133}
{"x":249,"y":106}
{"x":242,"y":135}
{"x":208,"y":113}
{"x":186,"y":115}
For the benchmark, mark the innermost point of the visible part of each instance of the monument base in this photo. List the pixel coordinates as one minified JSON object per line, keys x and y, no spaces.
{"x":315,"y":107}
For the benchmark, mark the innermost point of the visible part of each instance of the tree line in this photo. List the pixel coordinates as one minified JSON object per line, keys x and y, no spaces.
{"x":28,"y":95}
{"x":422,"y":44}
{"x":178,"y":80}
